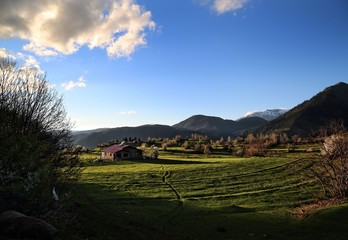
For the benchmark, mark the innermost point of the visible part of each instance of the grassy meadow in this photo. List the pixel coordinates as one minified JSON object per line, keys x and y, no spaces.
{"x":183,"y":195}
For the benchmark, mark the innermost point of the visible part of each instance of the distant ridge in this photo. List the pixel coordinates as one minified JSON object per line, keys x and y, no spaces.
{"x":217,"y":127}
{"x":92,"y":138}
{"x":309,"y":116}
{"x":304,"y":119}
{"x":214,"y":127}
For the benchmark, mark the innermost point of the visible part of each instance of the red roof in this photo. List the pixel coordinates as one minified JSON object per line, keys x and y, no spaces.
{"x":114,"y":148}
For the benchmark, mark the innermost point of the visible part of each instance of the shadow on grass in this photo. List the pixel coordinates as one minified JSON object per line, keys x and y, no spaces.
{"x":104,"y":214}
{"x":159,"y":161}
{"x":108,"y":214}
{"x":237,"y":209}
{"x":168,"y":161}
{"x":179,"y":151}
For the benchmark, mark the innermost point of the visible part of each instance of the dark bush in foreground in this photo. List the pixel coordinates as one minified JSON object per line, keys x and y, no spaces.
{"x":34,"y":141}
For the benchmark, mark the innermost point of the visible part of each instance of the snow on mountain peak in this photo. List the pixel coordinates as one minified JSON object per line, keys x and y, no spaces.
{"x":269,"y":114}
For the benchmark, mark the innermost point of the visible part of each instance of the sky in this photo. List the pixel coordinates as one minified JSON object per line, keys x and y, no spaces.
{"x":135,"y":62}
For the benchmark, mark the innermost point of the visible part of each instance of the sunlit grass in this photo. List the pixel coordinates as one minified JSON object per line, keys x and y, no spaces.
{"x":191,"y":196}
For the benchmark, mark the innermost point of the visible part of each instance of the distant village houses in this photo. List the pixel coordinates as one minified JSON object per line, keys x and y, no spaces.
{"x":121,"y":152}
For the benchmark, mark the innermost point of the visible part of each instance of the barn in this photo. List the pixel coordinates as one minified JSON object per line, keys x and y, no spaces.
{"x":121,"y":152}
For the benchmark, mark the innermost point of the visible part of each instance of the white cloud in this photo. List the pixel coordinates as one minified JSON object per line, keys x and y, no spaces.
{"x":28,"y":62}
{"x":131,"y":112}
{"x":63,"y":27}
{"x":39,"y":50}
{"x":5,"y":53}
{"x":32,"y":64}
{"x":81,"y":83}
{"x":223,"y":6}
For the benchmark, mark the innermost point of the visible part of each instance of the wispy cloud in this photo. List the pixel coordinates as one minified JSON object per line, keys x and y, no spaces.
{"x":124,"y":113}
{"x":63,"y":27}
{"x":224,"y":6}
{"x":81,"y":83}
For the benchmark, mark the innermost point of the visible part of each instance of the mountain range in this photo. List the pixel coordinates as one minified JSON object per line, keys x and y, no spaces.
{"x":92,"y":138}
{"x":304,"y":119}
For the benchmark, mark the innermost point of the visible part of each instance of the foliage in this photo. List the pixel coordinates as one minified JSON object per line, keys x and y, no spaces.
{"x":34,"y":140}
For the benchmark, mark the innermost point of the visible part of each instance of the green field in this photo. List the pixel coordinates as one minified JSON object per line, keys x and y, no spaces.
{"x":189,"y":196}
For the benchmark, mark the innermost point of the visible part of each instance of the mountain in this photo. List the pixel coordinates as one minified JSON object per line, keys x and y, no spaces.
{"x":214,"y":127}
{"x":311,"y":115}
{"x":217,"y":127}
{"x":92,"y":138}
{"x":268,"y":115}
{"x":304,"y":119}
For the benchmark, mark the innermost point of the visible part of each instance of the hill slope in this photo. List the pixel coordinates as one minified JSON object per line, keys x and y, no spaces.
{"x":308,"y":117}
{"x":217,"y":127}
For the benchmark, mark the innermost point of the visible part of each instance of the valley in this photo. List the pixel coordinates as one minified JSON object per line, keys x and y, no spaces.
{"x":185,"y":195}
{"x":173,"y":120}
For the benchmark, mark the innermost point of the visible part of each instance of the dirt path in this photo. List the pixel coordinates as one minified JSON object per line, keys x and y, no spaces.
{"x":165,"y":177}
{"x":180,"y":200}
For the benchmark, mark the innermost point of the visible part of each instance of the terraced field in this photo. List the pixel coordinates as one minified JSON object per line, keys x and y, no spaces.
{"x":202,"y":198}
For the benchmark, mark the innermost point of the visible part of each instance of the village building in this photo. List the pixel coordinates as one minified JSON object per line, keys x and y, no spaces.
{"x":121,"y":152}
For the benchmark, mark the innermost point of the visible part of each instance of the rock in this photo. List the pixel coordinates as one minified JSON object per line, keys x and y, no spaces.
{"x":14,"y":225}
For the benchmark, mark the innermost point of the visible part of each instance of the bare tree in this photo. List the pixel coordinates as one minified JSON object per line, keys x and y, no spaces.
{"x":154,"y":152}
{"x":186,"y":145}
{"x":331,"y":168}
{"x":256,"y":146}
{"x":207,"y":149}
{"x":34,"y":134}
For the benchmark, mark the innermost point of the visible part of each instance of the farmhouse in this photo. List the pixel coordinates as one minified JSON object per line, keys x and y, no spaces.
{"x":120,"y":152}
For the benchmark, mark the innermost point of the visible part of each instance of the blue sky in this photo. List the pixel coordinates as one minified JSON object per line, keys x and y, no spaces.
{"x":129,"y":63}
